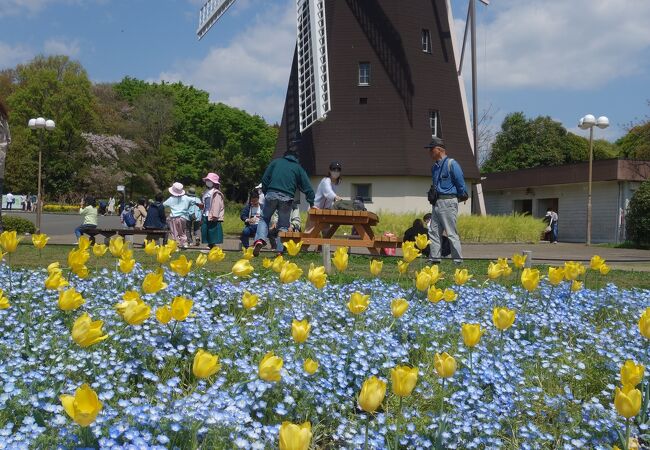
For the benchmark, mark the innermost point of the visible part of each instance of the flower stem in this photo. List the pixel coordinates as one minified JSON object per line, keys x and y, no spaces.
{"x":365,"y":440}
{"x":397,"y":421}
{"x":626,"y":444}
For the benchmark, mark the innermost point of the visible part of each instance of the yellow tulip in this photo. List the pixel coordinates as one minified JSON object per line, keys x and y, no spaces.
{"x":136,"y":313}
{"x":215,"y":255}
{"x":247,"y":253}
{"x":131,"y":296}
{"x":70,"y":300}
{"x":398,"y":307}
{"x":576,"y":285}
{"x":267,"y":263}
{"x":372,"y":394}
{"x":172,"y":246}
{"x":150,"y":247}
{"x":435,"y":295}
{"x":249,"y":300}
{"x":83,"y":407}
{"x":555,"y":275}
{"x":631,"y":373}
{"x":99,"y":250}
{"x":358,"y":303}
{"x":461,"y":276}
{"x":4,"y":300}
{"x":422,"y":241}
{"x":126,"y":265}
{"x":595,"y":262}
{"x":340,"y":259}
{"x":270,"y":367}
{"x":434,"y":271}
{"x":278,"y":263}
{"x":506,"y":270}
{"x":404,"y":379}
{"x":503,"y":318}
{"x":300,"y":330}
{"x":375,"y":267}
{"x":164,"y":314}
{"x":409,"y":252}
{"x":423,"y":280}
{"x":78,"y":258}
{"x":205,"y":364}
{"x":81,"y":271}
{"x":472,"y":333}
{"x":530,"y":279}
{"x":402,"y":267}
{"x":9,"y":241}
{"x":644,"y":324}
{"x":181,"y":307}
{"x":85,"y":332}
{"x":40,"y":240}
{"x":293,"y":248}
{"x":83,"y":243}
{"x":290,"y":272}
{"x":163,"y":254}
{"x":519,"y":260}
{"x":153,"y":282}
{"x":201,"y":260}
{"x":494,"y":271}
{"x":54,"y":267}
{"x":55,"y":281}
{"x":445,"y":365}
{"x":242,"y":268}
{"x":317,"y":276}
{"x":116,"y":245}
{"x":627,"y":401}
{"x":310,"y":366}
{"x":294,"y":436}
{"x":571,"y":270}
{"x":449,"y":296}
{"x":604,"y":269}
{"x":181,"y":266}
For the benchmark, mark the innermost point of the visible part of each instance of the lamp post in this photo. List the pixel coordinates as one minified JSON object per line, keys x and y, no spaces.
{"x":587,"y":123}
{"x":40,"y":124}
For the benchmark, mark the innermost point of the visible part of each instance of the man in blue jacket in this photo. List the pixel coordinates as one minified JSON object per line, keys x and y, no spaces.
{"x":281,"y":179}
{"x":449,"y":182}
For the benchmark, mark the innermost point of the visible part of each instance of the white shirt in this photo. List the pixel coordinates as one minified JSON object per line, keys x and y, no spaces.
{"x":325,"y":194}
{"x":10,"y":197}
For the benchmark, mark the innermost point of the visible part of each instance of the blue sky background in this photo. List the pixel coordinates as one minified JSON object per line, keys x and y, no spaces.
{"x":553,"y":57}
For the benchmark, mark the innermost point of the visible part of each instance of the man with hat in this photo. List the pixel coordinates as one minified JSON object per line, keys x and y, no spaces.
{"x":448,"y":184}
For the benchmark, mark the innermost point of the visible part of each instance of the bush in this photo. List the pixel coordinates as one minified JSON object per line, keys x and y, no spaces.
{"x":638,"y":216}
{"x":60,"y":208}
{"x":17,"y":224}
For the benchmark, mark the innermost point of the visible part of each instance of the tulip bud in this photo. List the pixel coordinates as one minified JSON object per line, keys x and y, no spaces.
{"x":398,"y":307}
{"x":181,"y":307}
{"x":55,"y":281}
{"x":471,"y":334}
{"x":530,"y":279}
{"x":150,"y":247}
{"x":375,"y":267}
{"x":4,"y":300}
{"x":644,"y":324}
{"x":435,"y":295}
{"x":631,"y":373}
{"x":404,"y":379}
{"x":627,"y":401}
{"x":340,"y":259}
{"x":9,"y":241}
{"x":164,"y":314}
{"x":249,"y":300}
{"x":247,"y":253}
{"x":317,"y":276}
{"x":215,"y":255}
{"x":555,"y":275}
{"x":461,"y":276}
{"x":358,"y":303}
{"x":163,"y":254}
{"x":201,"y":260}
{"x":290,"y":272}
{"x":181,"y":266}
{"x":494,"y":271}
{"x":372,"y":394}
{"x":70,"y":300}
{"x":99,"y":250}
{"x":449,"y":296}
{"x":445,"y":365}
{"x":595,"y":262}
{"x":422,"y":280}
{"x":310,"y":366}
{"x":270,"y":367}
{"x":242,"y":268}
{"x":519,"y":260}
{"x":503,"y":318}
{"x":604,"y":269}
{"x":402,"y":267}
{"x":126,"y":265}
{"x":576,"y":285}
{"x":40,"y":240}
{"x":85,"y":332}
{"x":422,"y":241}
{"x":409,"y":252}
{"x":116,"y":245}
{"x":292,"y":247}
{"x":267,"y":263}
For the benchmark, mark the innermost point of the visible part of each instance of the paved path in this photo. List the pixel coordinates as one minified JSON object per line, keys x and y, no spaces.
{"x":60,"y":228}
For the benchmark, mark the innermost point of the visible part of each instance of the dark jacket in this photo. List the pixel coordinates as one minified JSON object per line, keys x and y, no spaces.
{"x":411,"y":233}
{"x":286,"y":175}
{"x":155,"y":217}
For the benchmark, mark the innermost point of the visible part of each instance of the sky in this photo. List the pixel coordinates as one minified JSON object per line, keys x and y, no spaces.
{"x":559,"y":58}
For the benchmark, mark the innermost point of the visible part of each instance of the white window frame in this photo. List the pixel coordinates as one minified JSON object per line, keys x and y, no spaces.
{"x":355,"y":190}
{"x":426,"y":40}
{"x":434,"y":123}
{"x":365,"y":76}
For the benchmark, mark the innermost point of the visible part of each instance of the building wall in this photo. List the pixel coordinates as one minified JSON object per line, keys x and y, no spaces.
{"x":608,"y":197}
{"x":394,"y":194}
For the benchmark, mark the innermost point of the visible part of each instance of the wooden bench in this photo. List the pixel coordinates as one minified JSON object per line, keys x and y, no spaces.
{"x":327,"y":221}
{"x":108,"y":233}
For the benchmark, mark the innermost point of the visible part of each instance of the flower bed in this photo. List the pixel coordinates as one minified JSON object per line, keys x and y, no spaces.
{"x":547,"y":381}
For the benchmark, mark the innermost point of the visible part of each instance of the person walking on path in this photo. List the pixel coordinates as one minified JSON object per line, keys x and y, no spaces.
{"x":281,"y":179}
{"x":194,"y":222}
{"x":213,"y":211}
{"x":448,"y":184}
{"x":551,"y":219}
{"x":179,"y":205}
{"x":10,"y":201}
{"x":89,"y":213}
{"x":111,"y":206}
{"x":250,"y":215}
{"x":140,"y":214}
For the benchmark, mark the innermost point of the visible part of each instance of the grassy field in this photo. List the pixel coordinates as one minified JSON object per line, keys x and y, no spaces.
{"x":28,"y":257}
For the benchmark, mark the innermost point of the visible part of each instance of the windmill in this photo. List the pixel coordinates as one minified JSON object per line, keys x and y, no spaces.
{"x":311,"y":50}
{"x":395,"y":83}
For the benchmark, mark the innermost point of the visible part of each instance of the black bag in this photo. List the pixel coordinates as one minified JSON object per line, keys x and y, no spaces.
{"x":463,"y":197}
{"x":432,"y":195}
{"x":445,"y":246}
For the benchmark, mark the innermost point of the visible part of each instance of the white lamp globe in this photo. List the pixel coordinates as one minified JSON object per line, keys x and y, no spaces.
{"x":32,"y":123}
{"x":581,"y":123}
{"x":49,"y":124}
{"x":589,"y":120}
{"x":40,"y":123}
{"x":602,"y":122}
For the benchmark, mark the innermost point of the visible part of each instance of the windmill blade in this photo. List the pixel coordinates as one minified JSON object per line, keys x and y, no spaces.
{"x":209,"y":13}
{"x":313,"y":68}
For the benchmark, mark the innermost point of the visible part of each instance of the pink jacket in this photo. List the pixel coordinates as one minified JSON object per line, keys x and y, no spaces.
{"x":217,"y":206}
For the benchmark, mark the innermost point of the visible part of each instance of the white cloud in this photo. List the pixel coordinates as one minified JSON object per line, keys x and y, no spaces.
{"x":10,"y":55}
{"x":252,"y":71}
{"x":66,"y":47}
{"x":577,"y":44}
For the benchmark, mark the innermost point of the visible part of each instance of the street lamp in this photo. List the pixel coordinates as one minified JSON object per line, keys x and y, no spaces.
{"x":40,"y":124}
{"x":588,"y":122}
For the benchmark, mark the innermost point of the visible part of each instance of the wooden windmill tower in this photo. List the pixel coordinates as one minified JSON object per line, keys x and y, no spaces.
{"x":385,"y":75}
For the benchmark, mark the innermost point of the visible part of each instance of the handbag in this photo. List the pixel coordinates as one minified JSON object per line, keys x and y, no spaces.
{"x":548,"y":229}
{"x":432,"y":195}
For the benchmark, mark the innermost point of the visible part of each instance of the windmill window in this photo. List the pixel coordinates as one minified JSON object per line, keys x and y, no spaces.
{"x":426,"y":41}
{"x":364,"y":74}
{"x":434,"y":123}
{"x":364,"y":191}
{"x":363,"y":100}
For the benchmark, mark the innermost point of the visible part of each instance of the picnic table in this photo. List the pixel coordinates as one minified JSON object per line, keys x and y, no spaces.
{"x":327,"y":222}
{"x":108,"y":233}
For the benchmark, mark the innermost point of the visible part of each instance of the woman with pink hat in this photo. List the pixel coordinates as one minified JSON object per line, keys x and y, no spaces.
{"x":179,"y":205}
{"x":213,"y":211}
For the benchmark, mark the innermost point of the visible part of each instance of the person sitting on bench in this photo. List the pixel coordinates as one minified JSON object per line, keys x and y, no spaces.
{"x":89,"y":213}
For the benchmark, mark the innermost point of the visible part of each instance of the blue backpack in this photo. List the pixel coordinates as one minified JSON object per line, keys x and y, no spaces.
{"x":129,"y":218}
